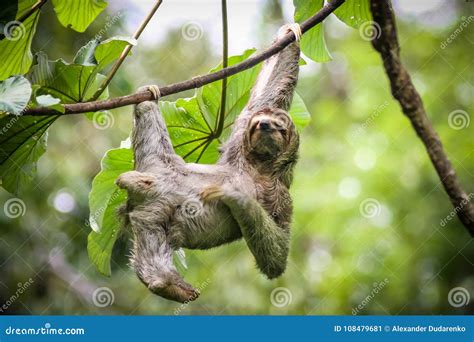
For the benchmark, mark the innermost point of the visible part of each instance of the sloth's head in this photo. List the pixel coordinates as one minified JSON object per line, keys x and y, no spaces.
{"x":271,"y":135}
{"x":271,"y":143}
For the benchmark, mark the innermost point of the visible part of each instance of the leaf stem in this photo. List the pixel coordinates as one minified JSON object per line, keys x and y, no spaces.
{"x":126,"y":51}
{"x":225,"y":53}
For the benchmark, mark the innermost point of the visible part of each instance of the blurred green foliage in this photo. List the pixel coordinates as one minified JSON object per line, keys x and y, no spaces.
{"x":359,"y":150}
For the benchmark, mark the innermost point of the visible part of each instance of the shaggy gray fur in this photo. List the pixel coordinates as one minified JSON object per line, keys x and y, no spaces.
{"x":173,"y":204}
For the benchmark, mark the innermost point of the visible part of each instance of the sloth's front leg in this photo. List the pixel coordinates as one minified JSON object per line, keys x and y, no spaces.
{"x":268,"y":242}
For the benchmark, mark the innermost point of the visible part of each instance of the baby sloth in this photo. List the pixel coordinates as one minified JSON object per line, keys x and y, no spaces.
{"x":173,"y":204}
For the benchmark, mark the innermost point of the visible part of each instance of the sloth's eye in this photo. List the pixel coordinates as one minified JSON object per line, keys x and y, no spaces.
{"x":280,"y":126}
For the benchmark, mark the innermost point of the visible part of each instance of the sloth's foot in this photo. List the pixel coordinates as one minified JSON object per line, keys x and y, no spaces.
{"x":152,"y":88}
{"x":174,"y":288}
{"x":136,"y":181}
{"x":212,"y":192}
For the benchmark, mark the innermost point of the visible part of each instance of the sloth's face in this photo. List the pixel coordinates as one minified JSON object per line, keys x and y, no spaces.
{"x":270,"y":132}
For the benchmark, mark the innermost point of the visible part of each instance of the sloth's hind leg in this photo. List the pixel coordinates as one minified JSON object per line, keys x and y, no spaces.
{"x":152,"y":259}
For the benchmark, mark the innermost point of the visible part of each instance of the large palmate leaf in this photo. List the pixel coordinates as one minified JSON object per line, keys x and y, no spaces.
{"x":15,"y":52}
{"x":192,"y":121}
{"x":354,"y":12}
{"x":104,"y":200}
{"x":78,"y":81}
{"x":15,"y":92}
{"x":22,"y":142}
{"x":78,"y":14}
{"x":313,"y":44}
{"x":69,"y":82}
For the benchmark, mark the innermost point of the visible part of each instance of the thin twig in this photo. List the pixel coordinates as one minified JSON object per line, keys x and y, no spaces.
{"x":32,"y":10}
{"x":195,"y":82}
{"x":225,"y":53}
{"x":126,"y":51}
{"x":386,"y":43}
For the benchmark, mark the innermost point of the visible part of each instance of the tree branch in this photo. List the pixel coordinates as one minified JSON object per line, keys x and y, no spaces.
{"x":126,"y":50}
{"x":195,"y":82}
{"x":32,"y":10}
{"x":403,"y":90}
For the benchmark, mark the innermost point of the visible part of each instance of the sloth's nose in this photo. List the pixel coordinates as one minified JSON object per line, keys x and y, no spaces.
{"x":264,"y":125}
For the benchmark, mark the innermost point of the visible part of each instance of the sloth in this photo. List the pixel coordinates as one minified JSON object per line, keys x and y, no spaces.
{"x":173,"y":204}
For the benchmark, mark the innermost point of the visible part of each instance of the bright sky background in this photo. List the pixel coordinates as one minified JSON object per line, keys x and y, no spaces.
{"x":244,"y":15}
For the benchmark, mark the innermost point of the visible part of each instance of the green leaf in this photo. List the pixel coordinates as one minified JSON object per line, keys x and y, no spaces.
{"x":15,"y":52}
{"x":354,"y":12}
{"x":299,"y":113}
{"x":78,"y":14}
{"x":85,"y":55}
{"x":15,"y":93}
{"x":313,"y":43}
{"x":111,"y":49}
{"x":22,"y":142}
{"x":191,"y":122}
{"x":78,"y":81}
{"x":70,"y":83}
{"x":102,"y":53}
{"x":104,"y":200}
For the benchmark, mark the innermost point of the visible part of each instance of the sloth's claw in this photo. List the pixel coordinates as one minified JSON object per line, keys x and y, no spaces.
{"x":295,"y":28}
{"x":153,"y":89}
{"x":176,"y":289}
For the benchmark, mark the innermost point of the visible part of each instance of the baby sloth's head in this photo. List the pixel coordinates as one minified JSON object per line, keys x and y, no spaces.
{"x":271,"y":135}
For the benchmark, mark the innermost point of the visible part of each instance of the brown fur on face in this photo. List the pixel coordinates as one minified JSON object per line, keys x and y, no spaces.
{"x":271,"y":141}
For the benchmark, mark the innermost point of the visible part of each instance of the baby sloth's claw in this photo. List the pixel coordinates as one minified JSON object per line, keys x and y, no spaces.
{"x":211,"y":192}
